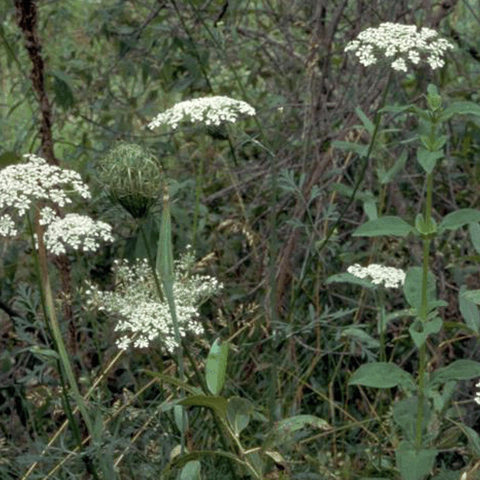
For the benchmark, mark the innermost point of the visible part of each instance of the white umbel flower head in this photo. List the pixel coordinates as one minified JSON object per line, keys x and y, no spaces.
{"x":378,"y":274}
{"x":142,"y":317}
{"x":76,"y":232}
{"x":399,"y":45}
{"x":25,"y":185}
{"x":208,"y":111}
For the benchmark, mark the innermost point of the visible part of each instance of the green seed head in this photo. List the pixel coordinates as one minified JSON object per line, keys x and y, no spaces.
{"x":132,"y":177}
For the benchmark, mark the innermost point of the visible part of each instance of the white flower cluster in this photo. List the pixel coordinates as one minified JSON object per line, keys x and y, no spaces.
{"x":76,"y":232}
{"x":477,"y":396}
{"x":143,"y":318}
{"x":208,"y":111}
{"x":25,"y":185}
{"x":398,"y":44}
{"x":378,"y":274}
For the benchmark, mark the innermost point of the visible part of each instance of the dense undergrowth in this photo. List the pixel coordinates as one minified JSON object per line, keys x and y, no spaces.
{"x":300,"y":370}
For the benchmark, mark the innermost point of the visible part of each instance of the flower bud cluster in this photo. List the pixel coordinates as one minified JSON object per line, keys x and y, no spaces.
{"x":208,"y":111}
{"x":399,"y":45}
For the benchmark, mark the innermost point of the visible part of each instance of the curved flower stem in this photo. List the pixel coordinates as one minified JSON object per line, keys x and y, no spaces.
{"x":65,"y":367}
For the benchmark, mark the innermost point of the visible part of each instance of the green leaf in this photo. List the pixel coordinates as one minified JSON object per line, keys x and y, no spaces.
{"x":239,"y":411}
{"x":282,"y":431}
{"x":459,"y":218}
{"x":423,"y":228}
{"x":218,"y":404}
{"x":405,"y":416}
{"x":384,"y":226}
{"x":367,"y":123}
{"x":474,"y":230}
{"x":472,"y":295}
{"x":469,"y":310}
{"x":348,"y":192}
{"x":191,"y":471}
{"x":361,"y":336}
{"x":381,"y":375}
{"x":370,"y":209}
{"x":419,"y":331}
{"x":216,"y":366}
{"x":428,"y":159}
{"x":387,"y":177}
{"x":357,"y":148}
{"x":457,"y":370}
{"x":412,"y":289}
{"x":460,"y":108}
{"x":473,"y":438}
{"x":9,"y":158}
{"x":63,"y":90}
{"x":181,"y":418}
{"x":413,"y":464}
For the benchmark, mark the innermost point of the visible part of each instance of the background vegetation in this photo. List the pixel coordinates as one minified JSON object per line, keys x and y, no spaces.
{"x":261,"y":200}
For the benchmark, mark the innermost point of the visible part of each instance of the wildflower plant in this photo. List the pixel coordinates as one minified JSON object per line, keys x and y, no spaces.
{"x":49,"y":188}
{"x":399,"y":45}
{"x":208,"y":111}
{"x":391,"y":277}
{"x":142,"y":317}
{"x":43,"y":189}
{"x":427,"y":395}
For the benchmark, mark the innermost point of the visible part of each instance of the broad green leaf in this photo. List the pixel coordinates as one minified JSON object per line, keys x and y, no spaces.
{"x":428,"y":159}
{"x":381,"y":375}
{"x":413,"y":464}
{"x":474,"y":230}
{"x":405,"y":416}
{"x":412,"y":289}
{"x":472,"y":295}
{"x":218,"y":404}
{"x":460,"y":108}
{"x":239,"y":411}
{"x":419,"y":331}
{"x":282,"y":431}
{"x":191,"y":471}
{"x":384,"y":226}
{"x":216,"y":366}
{"x":457,"y":370}
{"x":460,"y":218}
{"x":370,"y":209}
{"x":469,"y":310}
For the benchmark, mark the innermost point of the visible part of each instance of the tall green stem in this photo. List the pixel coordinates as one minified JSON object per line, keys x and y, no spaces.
{"x":424,"y":309}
